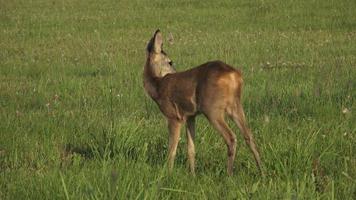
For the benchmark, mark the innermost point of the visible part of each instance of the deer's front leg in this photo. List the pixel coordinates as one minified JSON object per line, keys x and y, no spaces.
{"x":174,"y":133}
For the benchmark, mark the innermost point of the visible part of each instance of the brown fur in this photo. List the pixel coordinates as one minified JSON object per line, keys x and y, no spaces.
{"x":213,"y":89}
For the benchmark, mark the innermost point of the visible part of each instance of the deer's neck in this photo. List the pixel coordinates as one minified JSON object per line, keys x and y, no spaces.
{"x":150,"y":82}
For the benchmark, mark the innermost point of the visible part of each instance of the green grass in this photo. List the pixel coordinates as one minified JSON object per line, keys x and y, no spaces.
{"x":75,"y":122}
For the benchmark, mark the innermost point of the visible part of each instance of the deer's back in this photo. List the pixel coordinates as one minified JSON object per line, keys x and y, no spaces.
{"x":210,"y":86}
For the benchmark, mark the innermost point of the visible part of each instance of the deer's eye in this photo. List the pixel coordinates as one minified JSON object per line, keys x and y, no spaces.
{"x":170,"y":63}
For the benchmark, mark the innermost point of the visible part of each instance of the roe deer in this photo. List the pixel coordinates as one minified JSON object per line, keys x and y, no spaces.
{"x":213,"y":89}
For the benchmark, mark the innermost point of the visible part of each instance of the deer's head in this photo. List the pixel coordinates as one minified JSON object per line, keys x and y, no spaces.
{"x":157,"y":59}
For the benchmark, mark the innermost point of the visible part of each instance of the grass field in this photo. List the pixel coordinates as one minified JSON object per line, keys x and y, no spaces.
{"x":75,"y":122}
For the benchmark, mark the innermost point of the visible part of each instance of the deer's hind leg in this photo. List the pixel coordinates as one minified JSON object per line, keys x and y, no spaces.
{"x":218,"y":122}
{"x":238,"y":115}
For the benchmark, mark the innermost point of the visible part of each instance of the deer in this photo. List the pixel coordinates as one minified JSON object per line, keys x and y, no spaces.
{"x":213,"y":89}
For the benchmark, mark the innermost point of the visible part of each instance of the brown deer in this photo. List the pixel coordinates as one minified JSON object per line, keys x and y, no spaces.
{"x":213,"y":89}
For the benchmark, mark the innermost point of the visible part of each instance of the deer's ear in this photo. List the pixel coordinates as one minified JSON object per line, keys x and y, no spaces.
{"x":158,"y":41}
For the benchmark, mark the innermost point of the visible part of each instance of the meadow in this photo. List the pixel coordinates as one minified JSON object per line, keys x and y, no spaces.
{"x":75,"y":122}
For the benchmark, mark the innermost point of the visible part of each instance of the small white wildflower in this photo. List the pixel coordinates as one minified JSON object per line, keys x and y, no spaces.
{"x":170,"y":39}
{"x":345,"y":111}
{"x":18,"y":113}
{"x":55,"y":97}
{"x":266,"y":119}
